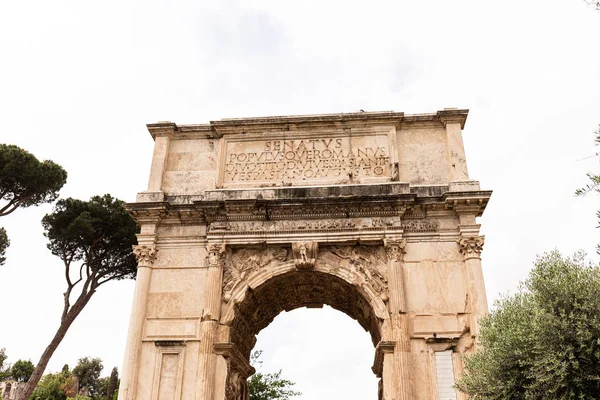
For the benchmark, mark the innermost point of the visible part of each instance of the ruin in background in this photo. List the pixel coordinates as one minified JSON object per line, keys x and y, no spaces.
{"x":372,"y":213}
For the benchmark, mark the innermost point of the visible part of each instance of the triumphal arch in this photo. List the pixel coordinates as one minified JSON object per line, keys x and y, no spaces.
{"x":372,"y":213}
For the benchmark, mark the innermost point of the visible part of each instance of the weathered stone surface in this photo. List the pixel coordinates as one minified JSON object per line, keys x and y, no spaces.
{"x":371,"y":213}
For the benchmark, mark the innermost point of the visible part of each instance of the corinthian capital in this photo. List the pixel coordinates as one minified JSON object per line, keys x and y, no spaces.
{"x":395,"y":249}
{"x":471,"y":247}
{"x":215,"y":254}
{"x":144,"y":254}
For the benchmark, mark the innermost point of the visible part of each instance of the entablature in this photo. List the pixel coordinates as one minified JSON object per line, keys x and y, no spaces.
{"x":351,"y":212}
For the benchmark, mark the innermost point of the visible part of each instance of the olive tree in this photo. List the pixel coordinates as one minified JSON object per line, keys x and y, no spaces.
{"x":544,"y":341}
{"x":94,"y":240}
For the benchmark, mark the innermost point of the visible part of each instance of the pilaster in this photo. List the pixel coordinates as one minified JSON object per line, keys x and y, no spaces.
{"x":395,"y":248}
{"x":207,"y":359}
{"x":471,"y":247}
{"x":145,"y":255}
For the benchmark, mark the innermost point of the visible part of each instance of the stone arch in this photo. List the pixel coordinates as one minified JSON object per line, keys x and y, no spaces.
{"x":261,"y":282}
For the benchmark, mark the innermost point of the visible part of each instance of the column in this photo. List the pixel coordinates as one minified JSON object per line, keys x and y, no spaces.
{"x":471,"y":247}
{"x":207,"y":360}
{"x":145,"y":254}
{"x":395,"y":248}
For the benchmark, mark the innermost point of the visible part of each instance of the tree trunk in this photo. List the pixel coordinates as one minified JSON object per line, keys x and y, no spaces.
{"x":58,"y":337}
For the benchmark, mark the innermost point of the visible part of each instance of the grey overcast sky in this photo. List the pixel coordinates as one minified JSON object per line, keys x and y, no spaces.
{"x":79,"y":80}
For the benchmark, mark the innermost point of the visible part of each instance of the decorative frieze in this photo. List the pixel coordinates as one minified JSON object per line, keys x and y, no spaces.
{"x":305,"y":254}
{"x":323,"y":225}
{"x":420,"y":225}
{"x":471,"y":246}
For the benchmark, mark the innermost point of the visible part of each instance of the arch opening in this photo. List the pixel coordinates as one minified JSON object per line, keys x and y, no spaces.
{"x":326,"y":353}
{"x":296,"y":289}
{"x":260,"y":282}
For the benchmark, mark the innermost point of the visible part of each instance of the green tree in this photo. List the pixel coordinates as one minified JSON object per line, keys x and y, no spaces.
{"x":25,"y":181}
{"x":94,"y":240}
{"x":4,"y":243}
{"x":102,"y":388}
{"x":21,"y":370}
{"x":544,"y":341}
{"x":113,"y":384}
{"x":56,"y":386}
{"x":88,"y":372}
{"x":268,"y":386}
{"x":4,"y":367}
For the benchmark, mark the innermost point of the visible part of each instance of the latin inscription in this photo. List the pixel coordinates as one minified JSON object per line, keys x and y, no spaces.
{"x":334,"y":159}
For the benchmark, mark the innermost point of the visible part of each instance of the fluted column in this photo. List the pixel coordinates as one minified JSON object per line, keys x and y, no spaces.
{"x":471,"y":247}
{"x":210,"y":319}
{"x":395,"y":249}
{"x":145,"y":254}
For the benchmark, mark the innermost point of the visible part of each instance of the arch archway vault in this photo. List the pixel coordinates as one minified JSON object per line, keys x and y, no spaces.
{"x":371,"y":213}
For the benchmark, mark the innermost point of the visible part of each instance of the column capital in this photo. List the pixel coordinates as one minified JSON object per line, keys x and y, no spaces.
{"x":395,"y":248}
{"x":471,"y":246}
{"x":216,"y":253}
{"x":145,"y":254}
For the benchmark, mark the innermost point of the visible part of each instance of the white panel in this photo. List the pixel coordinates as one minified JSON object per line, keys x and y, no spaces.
{"x":445,"y":375}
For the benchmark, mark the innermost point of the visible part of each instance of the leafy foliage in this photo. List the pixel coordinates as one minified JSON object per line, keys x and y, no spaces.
{"x":55,"y":387}
{"x":25,"y":181}
{"x":98,"y":232}
{"x":4,"y":367}
{"x":21,"y":370}
{"x":88,"y":372}
{"x":4,"y":243}
{"x":543,"y":342}
{"x":268,"y":386}
{"x":113,"y":384}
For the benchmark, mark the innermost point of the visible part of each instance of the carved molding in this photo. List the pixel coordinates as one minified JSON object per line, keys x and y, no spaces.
{"x":471,"y":247}
{"x":305,"y":254}
{"x":420,"y":225}
{"x":383,"y":347}
{"x":395,"y":249}
{"x":169,"y":343}
{"x":239,"y":362}
{"x":145,"y":254}
{"x":215,"y":255}
{"x":283,"y":227}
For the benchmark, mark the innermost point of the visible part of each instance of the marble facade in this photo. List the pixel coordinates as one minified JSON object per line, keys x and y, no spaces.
{"x":372,"y":213}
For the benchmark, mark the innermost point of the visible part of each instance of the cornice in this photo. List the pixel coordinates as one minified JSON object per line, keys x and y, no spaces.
{"x":452,"y":115}
{"x":225,"y":126}
{"x":473,"y":202}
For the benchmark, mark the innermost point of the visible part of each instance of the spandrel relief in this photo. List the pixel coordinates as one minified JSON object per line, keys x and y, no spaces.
{"x":239,"y":263}
{"x":366,"y":263}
